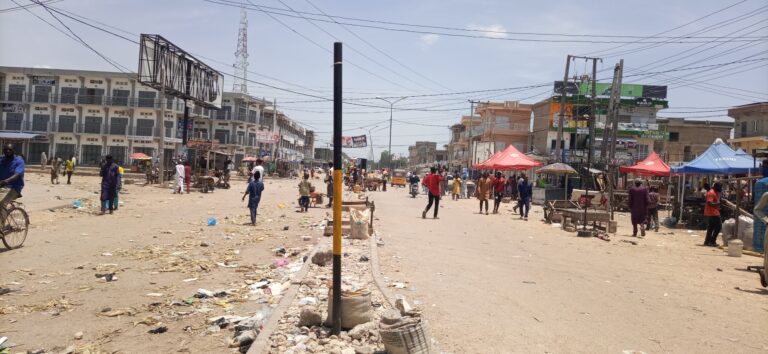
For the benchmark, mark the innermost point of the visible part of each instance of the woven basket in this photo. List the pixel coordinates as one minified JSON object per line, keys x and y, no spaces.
{"x":409,"y":337}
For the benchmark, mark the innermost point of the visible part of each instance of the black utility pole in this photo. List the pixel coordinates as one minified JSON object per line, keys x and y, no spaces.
{"x":186,"y":111}
{"x":591,"y":123}
{"x":561,"y":118}
{"x":336,"y":301}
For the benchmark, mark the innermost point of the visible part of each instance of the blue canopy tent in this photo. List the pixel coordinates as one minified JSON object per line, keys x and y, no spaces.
{"x":719,"y":158}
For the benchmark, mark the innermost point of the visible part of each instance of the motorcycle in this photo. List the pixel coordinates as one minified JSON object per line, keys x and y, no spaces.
{"x":414,"y":189}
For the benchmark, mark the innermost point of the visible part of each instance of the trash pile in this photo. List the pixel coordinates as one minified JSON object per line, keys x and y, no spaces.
{"x":306,"y":324}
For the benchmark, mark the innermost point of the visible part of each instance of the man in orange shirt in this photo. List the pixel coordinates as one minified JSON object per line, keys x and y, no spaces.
{"x":432,"y":181}
{"x":712,"y":212}
{"x":498,"y":190}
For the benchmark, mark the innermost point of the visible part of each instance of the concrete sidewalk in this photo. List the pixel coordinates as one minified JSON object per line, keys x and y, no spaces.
{"x":40,"y":195}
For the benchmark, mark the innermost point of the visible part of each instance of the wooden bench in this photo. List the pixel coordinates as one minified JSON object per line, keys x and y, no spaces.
{"x":555,"y":207}
{"x":346,"y":206}
{"x":594,"y":216}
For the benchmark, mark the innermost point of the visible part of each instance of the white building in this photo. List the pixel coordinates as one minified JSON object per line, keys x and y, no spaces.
{"x":90,"y":114}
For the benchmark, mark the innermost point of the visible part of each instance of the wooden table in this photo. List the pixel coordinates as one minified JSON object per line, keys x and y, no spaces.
{"x":595,"y":216}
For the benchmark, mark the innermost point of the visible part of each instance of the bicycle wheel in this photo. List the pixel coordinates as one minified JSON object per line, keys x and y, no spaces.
{"x":15,"y":228}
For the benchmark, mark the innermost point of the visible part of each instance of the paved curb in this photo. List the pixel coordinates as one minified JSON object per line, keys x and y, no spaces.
{"x":261,"y":344}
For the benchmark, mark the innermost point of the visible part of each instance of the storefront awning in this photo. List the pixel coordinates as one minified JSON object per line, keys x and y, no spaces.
{"x":17,"y":136}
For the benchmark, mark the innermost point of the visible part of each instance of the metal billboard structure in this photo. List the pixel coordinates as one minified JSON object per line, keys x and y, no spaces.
{"x":171,"y":70}
{"x":168,"y":68}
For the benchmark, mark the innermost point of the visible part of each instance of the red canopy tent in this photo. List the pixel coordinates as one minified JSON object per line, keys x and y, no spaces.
{"x":486,"y":165}
{"x":513,"y":159}
{"x":651,"y":166}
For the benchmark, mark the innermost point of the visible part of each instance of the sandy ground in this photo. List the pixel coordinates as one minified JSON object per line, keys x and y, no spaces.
{"x":155,"y":242}
{"x":497,"y":284}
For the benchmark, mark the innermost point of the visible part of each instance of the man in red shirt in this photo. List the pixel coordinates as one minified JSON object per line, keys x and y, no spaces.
{"x":432,"y":181}
{"x":712,"y":213}
{"x":498,"y":182}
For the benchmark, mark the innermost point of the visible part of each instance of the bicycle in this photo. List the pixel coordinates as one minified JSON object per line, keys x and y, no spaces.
{"x":16,"y":225}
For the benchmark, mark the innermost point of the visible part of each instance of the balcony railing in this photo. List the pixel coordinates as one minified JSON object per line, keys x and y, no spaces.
{"x":37,"y":126}
{"x":91,"y":128}
{"x":67,"y":127}
{"x":144,"y":131}
{"x":78,"y":99}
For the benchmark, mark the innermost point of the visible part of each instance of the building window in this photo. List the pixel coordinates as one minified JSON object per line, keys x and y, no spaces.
{"x":225,"y":113}
{"x":91,"y":154}
{"x":118,"y":126}
{"x":42,"y":93}
{"x":674,"y":137}
{"x":146,"y":99}
{"x":92,"y":125}
{"x":66,"y":124}
{"x":40,"y":122}
{"x":69,"y":95}
{"x":16,"y":92}
{"x":118,"y":153}
{"x":743,"y":129}
{"x":144,"y":127}
{"x":35,"y":152}
{"x":222,"y":136}
{"x":120,"y":97}
{"x":642,"y":151}
{"x":13,"y":121}
{"x":169,"y":130}
{"x":90,"y":96}
{"x":754,"y":126}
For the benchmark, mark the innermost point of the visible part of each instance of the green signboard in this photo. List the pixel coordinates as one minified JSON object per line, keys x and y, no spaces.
{"x":604,"y":89}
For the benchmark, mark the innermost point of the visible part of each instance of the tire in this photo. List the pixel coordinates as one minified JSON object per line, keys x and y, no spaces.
{"x":17,"y":223}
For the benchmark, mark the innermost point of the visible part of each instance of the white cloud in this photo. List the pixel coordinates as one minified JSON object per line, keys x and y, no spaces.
{"x":42,"y":66}
{"x":492,"y":31}
{"x":429,"y":39}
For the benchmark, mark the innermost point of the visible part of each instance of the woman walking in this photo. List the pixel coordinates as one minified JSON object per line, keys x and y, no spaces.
{"x":253,"y":192}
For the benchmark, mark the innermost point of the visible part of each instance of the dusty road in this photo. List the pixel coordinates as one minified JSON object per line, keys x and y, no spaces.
{"x":162,"y":251}
{"x":497,"y":284}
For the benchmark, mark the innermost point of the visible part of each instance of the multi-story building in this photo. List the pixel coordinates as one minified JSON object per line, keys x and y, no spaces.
{"x":687,"y":138}
{"x":90,"y":114}
{"x":422,"y":153}
{"x":638,"y":131}
{"x":750,"y":129}
{"x":505,"y":123}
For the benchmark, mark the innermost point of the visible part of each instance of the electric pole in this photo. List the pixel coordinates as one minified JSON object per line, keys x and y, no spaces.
{"x":591,"y":124}
{"x":391,"y":108}
{"x":613,"y":102}
{"x":561,"y":118}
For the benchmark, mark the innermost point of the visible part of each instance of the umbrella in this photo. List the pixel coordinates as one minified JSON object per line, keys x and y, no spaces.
{"x":651,"y":166}
{"x":512,"y":159}
{"x":558,"y":168}
{"x":249,"y":159}
{"x":139,"y":156}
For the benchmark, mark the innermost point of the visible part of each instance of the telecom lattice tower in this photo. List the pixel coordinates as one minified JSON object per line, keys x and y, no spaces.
{"x":241,"y":65}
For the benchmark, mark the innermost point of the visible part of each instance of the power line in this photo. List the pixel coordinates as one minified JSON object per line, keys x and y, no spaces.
{"x":24,"y":7}
{"x":282,"y":12}
{"x":374,"y":47}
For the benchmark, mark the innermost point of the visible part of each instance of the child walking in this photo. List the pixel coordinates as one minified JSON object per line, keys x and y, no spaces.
{"x":304,"y":192}
{"x":253,"y":192}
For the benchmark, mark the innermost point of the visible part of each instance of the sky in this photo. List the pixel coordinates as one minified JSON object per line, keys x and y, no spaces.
{"x":442,"y":48}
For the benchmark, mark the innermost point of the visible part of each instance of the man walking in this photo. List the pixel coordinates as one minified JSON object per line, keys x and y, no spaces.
{"x":70,"y":168}
{"x":109,"y":178}
{"x":329,"y":184}
{"x":712,"y":212}
{"x":638,"y":207}
{"x":525,"y":191}
{"x":498,"y":191}
{"x":179,"y":178}
{"x":187,"y":175}
{"x":653,"y":209}
{"x":253,"y":192}
{"x":259,"y":168}
{"x":483,"y":192}
{"x":432,"y":181}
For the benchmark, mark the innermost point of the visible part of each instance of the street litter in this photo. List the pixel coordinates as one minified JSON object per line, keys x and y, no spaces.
{"x":281,"y":262}
{"x":106,"y":254}
{"x":308,"y":301}
{"x":158,"y":330}
{"x":399,"y":285}
{"x":189,"y":280}
{"x":107,"y":276}
{"x":212,"y":221}
{"x":127,"y":311}
{"x":154,"y":295}
{"x":77,"y":204}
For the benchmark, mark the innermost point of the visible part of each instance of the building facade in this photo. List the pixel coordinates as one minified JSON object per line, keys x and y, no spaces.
{"x":750,"y":129}
{"x":505,"y":123}
{"x":688,"y":138}
{"x":89,"y":114}
{"x":637,"y":135}
{"x":422,"y":153}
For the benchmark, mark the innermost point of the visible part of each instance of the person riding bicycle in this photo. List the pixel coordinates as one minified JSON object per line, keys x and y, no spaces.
{"x":11,"y":175}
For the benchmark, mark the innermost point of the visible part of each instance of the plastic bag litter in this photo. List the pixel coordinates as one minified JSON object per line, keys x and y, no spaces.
{"x":77,"y":204}
{"x":212,"y":221}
